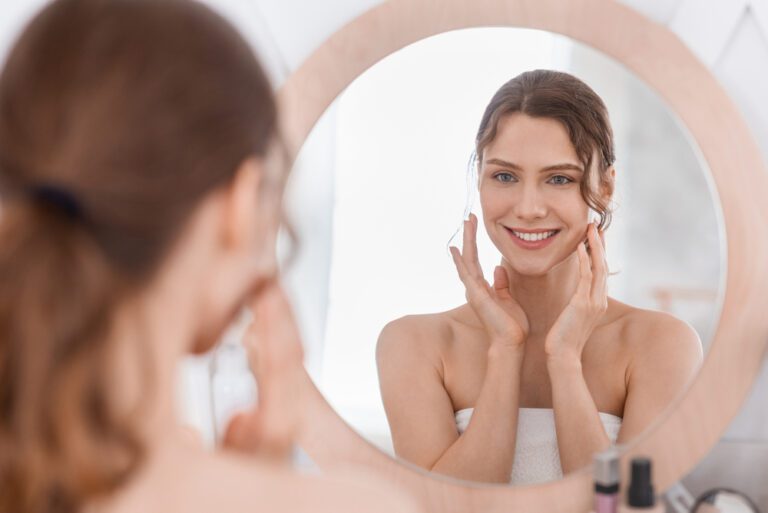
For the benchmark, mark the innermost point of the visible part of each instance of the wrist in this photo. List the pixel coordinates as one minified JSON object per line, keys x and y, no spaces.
{"x":505,"y":351}
{"x":564,"y":362}
{"x":516,"y":341}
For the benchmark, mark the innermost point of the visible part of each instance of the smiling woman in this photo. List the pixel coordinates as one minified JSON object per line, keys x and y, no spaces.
{"x":398,"y":159}
{"x":673,"y":124}
{"x":540,"y":370}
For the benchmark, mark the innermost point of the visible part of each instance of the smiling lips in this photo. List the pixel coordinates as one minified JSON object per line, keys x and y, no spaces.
{"x":532,"y":239}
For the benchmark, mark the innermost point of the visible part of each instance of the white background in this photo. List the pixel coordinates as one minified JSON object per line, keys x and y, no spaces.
{"x":730,"y":36}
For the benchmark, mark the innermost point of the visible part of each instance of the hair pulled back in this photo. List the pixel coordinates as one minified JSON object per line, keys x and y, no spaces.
{"x":117,"y":117}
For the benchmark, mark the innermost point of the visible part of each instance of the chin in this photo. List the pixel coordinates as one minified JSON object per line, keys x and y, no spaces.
{"x":210,"y":334}
{"x":203,"y":345}
{"x":213,"y":327}
{"x":533,"y":265}
{"x":532,"y":269}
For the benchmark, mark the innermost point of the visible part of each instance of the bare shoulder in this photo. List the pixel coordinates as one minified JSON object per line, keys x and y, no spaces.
{"x":654,"y":335}
{"x":286,"y":490}
{"x":423,"y":335}
{"x":232,"y":482}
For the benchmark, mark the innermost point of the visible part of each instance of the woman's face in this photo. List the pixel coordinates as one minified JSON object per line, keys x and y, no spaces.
{"x":529,"y":185}
{"x":246,"y":257}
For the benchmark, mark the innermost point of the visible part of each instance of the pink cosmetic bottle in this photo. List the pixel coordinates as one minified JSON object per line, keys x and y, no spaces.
{"x":606,"y":476}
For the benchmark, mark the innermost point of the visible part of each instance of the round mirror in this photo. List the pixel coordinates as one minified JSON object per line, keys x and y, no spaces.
{"x":399,"y":143}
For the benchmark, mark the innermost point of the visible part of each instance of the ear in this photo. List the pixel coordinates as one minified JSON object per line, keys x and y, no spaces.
{"x":607,"y":185}
{"x":241,"y":197}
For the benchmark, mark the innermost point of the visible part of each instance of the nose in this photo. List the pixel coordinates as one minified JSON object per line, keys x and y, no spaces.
{"x":530,"y":204}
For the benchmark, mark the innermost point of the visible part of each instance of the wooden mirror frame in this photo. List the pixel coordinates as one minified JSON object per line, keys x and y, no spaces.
{"x":694,"y":423}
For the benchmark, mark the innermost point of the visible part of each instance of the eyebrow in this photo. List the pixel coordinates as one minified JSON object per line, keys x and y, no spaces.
{"x":555,"y":167}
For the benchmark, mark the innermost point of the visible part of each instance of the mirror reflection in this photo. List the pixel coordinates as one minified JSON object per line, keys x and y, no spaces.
{"x":583,"y":282}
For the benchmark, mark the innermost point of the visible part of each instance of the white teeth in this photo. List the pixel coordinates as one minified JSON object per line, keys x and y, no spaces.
{"x":533,"y":237}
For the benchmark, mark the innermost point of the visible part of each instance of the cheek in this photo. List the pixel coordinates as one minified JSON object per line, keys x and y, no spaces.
{"x":494,"y":202}
{"x":573,"y":210}
{"x":493,"y":206}
{"x":572,"y":207}
{"x":264,"y":246}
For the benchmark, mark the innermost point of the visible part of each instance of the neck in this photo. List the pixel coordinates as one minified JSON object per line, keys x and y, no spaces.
{"x":149,"y":340}
{"x":543,"y":297}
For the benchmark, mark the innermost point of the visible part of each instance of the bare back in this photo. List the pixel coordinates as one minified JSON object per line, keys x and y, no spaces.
{"x":195,"y":481}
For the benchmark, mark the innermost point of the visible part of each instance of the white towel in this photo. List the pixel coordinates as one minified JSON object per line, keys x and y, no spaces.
{"x":536,"y":457}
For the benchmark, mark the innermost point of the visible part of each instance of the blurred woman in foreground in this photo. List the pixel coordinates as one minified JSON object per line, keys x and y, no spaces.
{"x":139,"y":214}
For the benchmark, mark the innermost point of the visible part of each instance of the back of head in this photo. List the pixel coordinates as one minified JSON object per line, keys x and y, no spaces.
{"x":117,"y":118}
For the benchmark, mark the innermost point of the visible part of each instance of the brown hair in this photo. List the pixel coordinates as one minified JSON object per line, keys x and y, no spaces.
{"x":565,"y":98}
{"x":117,"y":117}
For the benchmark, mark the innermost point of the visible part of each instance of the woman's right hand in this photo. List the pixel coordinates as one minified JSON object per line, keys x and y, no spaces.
{"x":275,"y":356}
{"x":503,"y":318}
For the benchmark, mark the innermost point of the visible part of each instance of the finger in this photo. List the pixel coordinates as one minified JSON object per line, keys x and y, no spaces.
{"x":277,"y":338}
{"x":466,"y":241}
{"x":501,"y":282}
{"x":242,"y":432}
{"x":475,"y":262}
{"x":594,"y":250}
{"x":475,"y":289}
{"x":598,"y":264}
{"x":469,"y":251}
{"x":585,"y":273}
{"x":274,"y":334}
{"x":250,"y":432}
{"x":461,"y":267}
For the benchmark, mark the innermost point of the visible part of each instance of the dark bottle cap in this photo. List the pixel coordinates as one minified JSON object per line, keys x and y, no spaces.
{"x":640,"y":493}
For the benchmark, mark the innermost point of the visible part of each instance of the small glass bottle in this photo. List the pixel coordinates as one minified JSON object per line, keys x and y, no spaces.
{"x":640,"y":495}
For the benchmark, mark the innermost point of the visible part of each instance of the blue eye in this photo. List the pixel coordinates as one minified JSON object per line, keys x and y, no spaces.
{"x":560,"y":180}
{"x":504,"y":177}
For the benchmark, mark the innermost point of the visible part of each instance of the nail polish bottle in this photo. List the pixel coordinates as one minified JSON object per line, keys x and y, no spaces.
{"x":640,"y":495}
{"x":606,"y":476}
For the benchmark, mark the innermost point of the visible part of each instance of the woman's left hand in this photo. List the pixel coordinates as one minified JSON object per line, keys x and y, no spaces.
{"x":568,"y":335}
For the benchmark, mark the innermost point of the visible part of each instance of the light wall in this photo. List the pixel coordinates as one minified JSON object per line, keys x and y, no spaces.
{"x":730,"y":36}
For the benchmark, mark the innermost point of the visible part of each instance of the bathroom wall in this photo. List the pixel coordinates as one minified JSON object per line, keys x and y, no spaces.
{"x":730,"y":36}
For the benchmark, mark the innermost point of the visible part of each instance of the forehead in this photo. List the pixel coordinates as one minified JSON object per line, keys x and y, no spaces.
{"x":531,"y":141}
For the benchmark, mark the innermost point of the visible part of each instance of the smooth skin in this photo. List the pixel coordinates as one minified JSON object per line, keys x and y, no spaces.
{"x":543,"y":335}
{"x":225,"y":257}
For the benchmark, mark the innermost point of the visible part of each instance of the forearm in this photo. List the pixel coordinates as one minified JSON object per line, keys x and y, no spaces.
{"x":580,"y":432}
{"x":485,"y":451}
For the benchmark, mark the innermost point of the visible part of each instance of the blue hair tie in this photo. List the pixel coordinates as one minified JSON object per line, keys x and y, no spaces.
{"x":58,"y":198}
